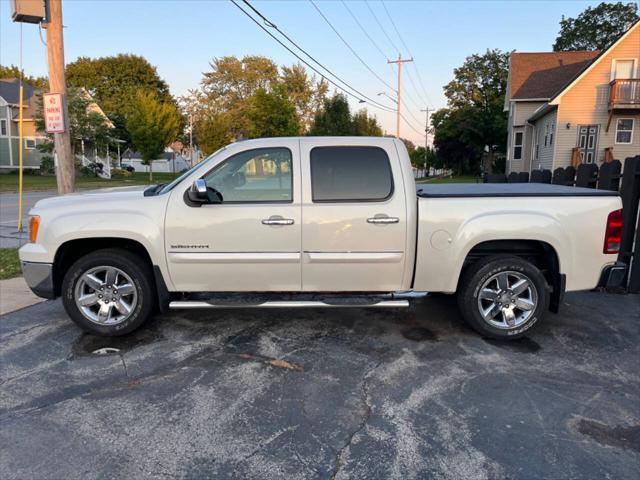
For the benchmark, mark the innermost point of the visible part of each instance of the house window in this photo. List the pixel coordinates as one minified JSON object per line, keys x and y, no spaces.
{"x":517,"y":146}
{"x":3,"y":128}
{"x":29,"y":143}
{"x":546,"y":133}
{"x":624,"y":130}
{"x":553,"y":128}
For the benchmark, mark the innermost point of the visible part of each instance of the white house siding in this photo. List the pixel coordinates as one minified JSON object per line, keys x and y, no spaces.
{"x":586,"y":103}
{"x":520,"y":112}
{"x":544,"y":126}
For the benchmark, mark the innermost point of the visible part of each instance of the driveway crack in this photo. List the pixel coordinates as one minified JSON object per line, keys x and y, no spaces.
{"x":364,"y":398}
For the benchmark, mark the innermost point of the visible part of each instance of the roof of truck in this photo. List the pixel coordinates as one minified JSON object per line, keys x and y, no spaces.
{"x":507,"y":190}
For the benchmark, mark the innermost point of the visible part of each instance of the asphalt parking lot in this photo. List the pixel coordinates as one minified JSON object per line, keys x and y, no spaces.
{"x":340,"y":393}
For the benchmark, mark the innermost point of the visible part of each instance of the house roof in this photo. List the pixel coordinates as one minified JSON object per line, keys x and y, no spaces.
{"x":541,"y":75}
{"x":10,"y":91}
{"x":592,"y":64}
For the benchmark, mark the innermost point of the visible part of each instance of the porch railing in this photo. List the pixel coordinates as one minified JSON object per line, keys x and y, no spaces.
{"x":624,"y":93}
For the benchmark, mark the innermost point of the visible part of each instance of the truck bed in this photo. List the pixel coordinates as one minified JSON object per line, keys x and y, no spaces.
{"x":463,"y":190}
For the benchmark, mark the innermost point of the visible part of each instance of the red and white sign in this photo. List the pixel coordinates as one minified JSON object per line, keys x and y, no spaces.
{"x":53,"y":113}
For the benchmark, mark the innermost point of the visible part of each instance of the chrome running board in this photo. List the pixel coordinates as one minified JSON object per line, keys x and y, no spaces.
{"x":194,"y":304}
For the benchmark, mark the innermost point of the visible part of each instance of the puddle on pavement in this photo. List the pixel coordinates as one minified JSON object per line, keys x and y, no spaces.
{"x":621,"y":437}
{"x":420,"y":334}
{"x":521,"y":345}
{"x":90,"y":345}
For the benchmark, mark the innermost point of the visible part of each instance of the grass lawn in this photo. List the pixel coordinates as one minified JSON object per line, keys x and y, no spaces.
{"x":9,"y":263}
{"x":460,"y":179}
{"x":9,"y":182}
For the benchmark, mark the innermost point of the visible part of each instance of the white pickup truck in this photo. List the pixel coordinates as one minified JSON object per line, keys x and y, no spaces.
{"x":319,"y":222}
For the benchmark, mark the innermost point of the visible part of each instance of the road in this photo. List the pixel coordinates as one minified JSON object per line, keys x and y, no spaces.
{"x":337,"y":393}
{"x":9,"y":235}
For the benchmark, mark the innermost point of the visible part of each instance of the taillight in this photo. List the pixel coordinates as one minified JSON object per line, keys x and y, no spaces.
{"x":34,"y":223}
{"x":613,"y":233}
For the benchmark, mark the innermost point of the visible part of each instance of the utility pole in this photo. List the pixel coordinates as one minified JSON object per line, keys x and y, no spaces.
{"x":426,"y":134}
{"x":400,"y":61}
{"x":191,"y":140}
{"x":65,"y":172}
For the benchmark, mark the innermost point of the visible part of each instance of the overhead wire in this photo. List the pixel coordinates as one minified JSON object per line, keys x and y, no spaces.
{"x":270,"y":24}
{"x":366,"y":65}
{"x":424,"y":90}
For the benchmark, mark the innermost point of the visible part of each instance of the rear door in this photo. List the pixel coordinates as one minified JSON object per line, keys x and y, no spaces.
{"x":354,"y":222}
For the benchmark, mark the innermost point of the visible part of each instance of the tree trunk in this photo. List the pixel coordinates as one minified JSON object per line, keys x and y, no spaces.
{"x":150,"y":171}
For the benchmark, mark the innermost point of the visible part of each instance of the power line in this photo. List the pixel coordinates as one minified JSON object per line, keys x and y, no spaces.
{"x":365,"y":31}
{"x":408,"y":51}
{"x":373,"y":103}
{"x":349,"y":46}
{"x":377,"y":47}
{"x":411,"y":126}
{"x":381,"y":27}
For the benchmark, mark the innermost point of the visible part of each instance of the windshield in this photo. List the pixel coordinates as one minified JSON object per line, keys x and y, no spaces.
{"x":168,"y":187}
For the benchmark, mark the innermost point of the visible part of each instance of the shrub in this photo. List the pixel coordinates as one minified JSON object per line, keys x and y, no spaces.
{"x":47,"y":166}
{"x":120,"y":173}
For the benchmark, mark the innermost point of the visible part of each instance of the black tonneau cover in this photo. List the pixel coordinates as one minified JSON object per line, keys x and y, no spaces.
{"x":452,"y":190}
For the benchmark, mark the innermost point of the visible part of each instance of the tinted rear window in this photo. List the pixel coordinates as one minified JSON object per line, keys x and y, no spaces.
{"x":350,"y":174}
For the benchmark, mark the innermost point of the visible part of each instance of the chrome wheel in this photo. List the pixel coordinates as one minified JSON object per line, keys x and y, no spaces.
{"x":507,"y":300}
{"x":106,"y":295}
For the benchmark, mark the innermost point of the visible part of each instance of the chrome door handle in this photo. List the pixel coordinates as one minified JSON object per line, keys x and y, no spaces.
{"x":277,"y":220}
{"x":383,"y":220}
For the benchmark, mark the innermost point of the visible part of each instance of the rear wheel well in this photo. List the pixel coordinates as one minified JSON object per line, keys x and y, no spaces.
{"x":539,"y":253}
{"x":72,"y":250}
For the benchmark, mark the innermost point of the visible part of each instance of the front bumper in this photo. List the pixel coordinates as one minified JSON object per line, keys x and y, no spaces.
{"x":613,"y":276}
{"x":39,"y":277}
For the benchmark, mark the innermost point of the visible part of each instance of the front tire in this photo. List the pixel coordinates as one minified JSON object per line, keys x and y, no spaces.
{"x":503,"y":297}
{"x":108,"y":292}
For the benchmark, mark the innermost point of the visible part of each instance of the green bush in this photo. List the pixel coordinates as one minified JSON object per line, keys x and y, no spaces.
{"x":47,"y":166}
{"x":120,"y":173}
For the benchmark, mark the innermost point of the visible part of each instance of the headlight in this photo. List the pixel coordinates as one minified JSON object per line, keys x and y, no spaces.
{"x":34,"y":223}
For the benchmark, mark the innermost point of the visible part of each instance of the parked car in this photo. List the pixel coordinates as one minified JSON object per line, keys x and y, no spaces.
{"x":128,"y":167}
{"x":319,"y":222}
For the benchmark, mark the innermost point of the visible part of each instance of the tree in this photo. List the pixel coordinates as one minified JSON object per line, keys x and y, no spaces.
{"x":114,"y":83}
{"x":365,"y":125}
{"x":334,"y":118}
{"x":474,"y":117}
{"x":596,"y":28}
{"x":231,"y":84}
{"x":241,"y":97}
{"x":153,"y":124}
{"x":272,"y":114}
{"x":454,"y":149}
{"x":14,"y":72}
{"x":305,"y":92}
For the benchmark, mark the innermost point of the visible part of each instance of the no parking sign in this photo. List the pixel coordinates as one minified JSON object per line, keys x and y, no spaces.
{"x":53,"y":113}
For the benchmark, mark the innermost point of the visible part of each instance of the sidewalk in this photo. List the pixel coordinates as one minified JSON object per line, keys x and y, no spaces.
{"x":15,"y":294}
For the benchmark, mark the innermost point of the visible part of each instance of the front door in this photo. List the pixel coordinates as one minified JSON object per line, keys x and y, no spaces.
{"x":249,"y":242}
{"x":354,"y":216}
{"x":588,"y":142}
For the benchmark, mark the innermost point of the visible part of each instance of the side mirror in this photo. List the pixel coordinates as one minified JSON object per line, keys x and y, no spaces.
{"x":200,"y":194}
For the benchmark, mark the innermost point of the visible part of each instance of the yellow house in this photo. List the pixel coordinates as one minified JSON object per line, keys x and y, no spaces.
{"x":584,"y":103}
{"x":9,"y":113}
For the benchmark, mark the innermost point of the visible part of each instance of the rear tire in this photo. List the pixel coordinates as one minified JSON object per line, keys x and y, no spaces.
{"x":109,"y":292}
{"x":503,"y":297}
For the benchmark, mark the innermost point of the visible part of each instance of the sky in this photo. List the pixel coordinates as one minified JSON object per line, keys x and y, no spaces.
{"x":180,"y":38}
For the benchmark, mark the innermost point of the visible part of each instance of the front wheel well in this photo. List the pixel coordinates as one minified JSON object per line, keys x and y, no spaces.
{"x":539,"y":253}
{"x":69,"y":252}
